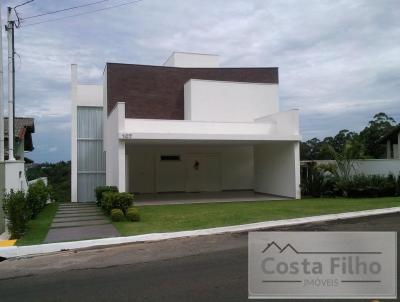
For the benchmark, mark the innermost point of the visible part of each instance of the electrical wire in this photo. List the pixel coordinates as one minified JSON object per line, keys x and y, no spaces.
{"x":84,"y":13}
{"x":17,"y":24}
{"x":65,"y":9}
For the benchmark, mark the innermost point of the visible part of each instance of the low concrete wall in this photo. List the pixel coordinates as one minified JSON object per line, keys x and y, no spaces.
{"x":377,"y":166}
{"x":370,"y":166}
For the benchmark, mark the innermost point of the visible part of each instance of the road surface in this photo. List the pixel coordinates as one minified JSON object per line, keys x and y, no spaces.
{"x":210,"y":268}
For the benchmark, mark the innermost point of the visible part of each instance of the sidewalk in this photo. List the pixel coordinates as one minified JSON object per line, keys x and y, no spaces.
{"x":79,"y":222}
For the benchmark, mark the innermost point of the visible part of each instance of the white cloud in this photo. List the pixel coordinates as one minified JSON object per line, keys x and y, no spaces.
{"x":338,"y":60}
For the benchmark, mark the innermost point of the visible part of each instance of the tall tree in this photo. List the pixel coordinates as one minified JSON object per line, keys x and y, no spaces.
{"x":377,"y":127}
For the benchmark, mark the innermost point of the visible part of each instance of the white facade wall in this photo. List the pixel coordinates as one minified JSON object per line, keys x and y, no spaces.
{"x":81,"y":96}
{"x":377,"y":166}
{"x":197,"y":60}
{"x":89,"y":95}
{"x":278,"y":126}
{"x":115,"y":148}
{"x":148,"y":174}
{"x":277,"y":169}
{"x":220,"y":101}
{"x":15,"y":175}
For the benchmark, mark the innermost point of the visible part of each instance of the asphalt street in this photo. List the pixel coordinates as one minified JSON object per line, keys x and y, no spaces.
{"x":209,"y":268}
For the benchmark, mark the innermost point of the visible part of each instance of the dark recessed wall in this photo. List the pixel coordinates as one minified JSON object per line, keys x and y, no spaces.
{"x":156,"y":92}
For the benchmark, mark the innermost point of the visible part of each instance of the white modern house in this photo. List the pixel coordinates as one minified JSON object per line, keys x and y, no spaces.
{"x":186,"y":126}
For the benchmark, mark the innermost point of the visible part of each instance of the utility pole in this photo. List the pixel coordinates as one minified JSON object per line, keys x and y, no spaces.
{"x":1,"y":93}
{"x":11,"y":80}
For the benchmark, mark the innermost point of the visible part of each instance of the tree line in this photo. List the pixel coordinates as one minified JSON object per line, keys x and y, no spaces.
{"x":365,"y":141}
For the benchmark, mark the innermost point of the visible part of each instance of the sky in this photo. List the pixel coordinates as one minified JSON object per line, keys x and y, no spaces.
{"x":339,"y":61}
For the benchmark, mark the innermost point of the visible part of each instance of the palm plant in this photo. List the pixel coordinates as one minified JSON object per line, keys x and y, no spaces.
{"x":345,"y":169}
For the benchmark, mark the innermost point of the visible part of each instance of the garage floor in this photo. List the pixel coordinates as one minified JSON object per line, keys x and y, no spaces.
{"x":201,"y":197}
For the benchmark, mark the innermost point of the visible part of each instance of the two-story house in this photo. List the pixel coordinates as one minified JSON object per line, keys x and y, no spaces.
{"x":186,"y":126}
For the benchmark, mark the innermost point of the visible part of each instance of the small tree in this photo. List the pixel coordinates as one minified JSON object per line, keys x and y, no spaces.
{"x":37,"y":197}
{"x":17,"y":212}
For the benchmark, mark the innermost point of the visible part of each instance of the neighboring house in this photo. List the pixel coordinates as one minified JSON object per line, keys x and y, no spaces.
{"x":23,"y":129}
{"x":12,"y":173}
{"x":187,"y":126}
{"x":392,"y":139}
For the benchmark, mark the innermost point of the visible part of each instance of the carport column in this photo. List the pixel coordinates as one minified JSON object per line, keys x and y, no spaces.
{"x":388,"y":151}
{"x":277,"y":168}
{"x":121,"y":148}
{"x":297,"y":169}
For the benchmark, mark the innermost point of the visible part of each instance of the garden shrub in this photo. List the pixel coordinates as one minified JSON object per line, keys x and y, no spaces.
{"x":102,"y":189}
{"x":132,"y":214}
{"x":107,"y":201}
{"x":371,"y":186}
{"x":117,"y":215}
{"x":17,"y":212}
{"x":318,"y":181}
{"x":123,"y":201}
{"x":115,"y":200}
{"x":37,"y":197}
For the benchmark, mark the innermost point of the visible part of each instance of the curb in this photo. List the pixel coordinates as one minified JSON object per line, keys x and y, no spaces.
{"x":21,"y":251}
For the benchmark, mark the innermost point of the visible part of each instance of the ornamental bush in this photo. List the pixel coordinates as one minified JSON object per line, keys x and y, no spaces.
{"x":102,"y":189}
{"x":107,"y":201}
{"x":117,"y":215}
{"x":123,"y":201}
{"x":132,"y":214}
{"x":36,"y":197}
{"x":372,"y":186}
{"x":115,"y":200}
{"x":17,"y":212}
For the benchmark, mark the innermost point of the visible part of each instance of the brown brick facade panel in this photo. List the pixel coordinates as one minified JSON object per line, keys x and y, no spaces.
{"x":156,"y":92}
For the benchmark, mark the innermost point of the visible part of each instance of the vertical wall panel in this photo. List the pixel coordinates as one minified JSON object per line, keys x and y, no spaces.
{"x":91,"y":159}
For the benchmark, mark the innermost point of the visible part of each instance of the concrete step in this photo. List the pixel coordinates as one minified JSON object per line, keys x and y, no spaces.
{"x":68,"y":224}
{"x":79,"y":211}
{"x":83,"y":218}
{"x":58,"y":215}
{"x":77,"y":207}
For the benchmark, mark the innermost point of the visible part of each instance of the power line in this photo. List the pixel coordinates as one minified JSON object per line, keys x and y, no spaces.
{"x":17,"y":24}
{"x":85,"y":13}
{"x":64,"y":9}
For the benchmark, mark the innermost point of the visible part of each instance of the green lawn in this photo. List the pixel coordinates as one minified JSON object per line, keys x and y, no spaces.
{"x":38,"y":227}
{"x":198,"y":216}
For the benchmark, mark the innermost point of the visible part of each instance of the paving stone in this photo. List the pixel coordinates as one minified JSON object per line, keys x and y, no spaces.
{"x":81,"y":233}
{"x":78,"y":223}
{"x":65,"y":219}
{"x":84,"y":210}
{"x":63,"y":215}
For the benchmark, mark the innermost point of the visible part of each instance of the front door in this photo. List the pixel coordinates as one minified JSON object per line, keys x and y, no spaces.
{"x":203,"y":173}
